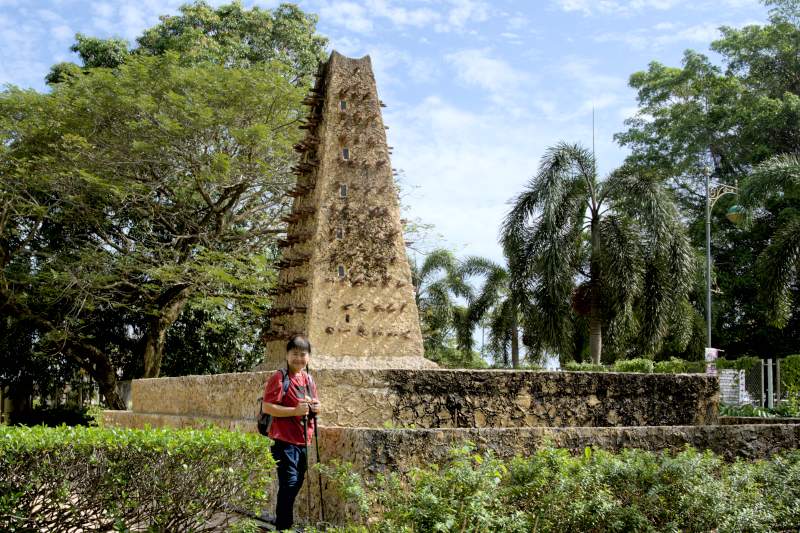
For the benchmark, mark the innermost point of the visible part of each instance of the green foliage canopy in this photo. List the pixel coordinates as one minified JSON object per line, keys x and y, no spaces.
{"x":612,"y":249}
{"x":742,"y":118}
{"x":128,"y":191}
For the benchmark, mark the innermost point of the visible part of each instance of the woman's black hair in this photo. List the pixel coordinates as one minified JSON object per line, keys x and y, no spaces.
{"x":300,"y":342}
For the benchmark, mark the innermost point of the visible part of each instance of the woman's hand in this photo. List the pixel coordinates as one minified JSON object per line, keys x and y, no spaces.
{"x":315,"y":406}
{"x":301,"y":409}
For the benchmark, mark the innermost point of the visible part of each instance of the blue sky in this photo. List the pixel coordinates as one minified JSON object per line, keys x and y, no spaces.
{"x":476,"y":90}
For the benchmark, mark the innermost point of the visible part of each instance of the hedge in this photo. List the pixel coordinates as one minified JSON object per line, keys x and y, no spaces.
{"x":671,"y":366}
{"x":99,"y":479}
{"x":790,"y":373}
{"x":553,"y":490}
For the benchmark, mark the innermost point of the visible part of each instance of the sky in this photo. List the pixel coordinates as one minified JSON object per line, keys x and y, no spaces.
{"x":476,"y":90}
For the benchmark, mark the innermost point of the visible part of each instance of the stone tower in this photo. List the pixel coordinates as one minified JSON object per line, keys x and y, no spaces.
{"x":343,"y":276}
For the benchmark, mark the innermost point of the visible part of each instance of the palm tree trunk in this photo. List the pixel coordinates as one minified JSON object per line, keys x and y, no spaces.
{"x":595,"y":324}
{"x":514,"y":341}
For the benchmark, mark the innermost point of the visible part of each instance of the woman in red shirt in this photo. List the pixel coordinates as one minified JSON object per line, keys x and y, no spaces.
{"x":288,"y":413}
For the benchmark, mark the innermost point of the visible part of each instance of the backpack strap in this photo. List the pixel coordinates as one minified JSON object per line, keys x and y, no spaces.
{"x":284,"y":384}
{"x":310,"y":384}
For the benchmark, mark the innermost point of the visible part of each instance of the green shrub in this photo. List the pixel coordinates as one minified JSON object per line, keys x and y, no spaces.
{"x":742,"y":363}
{"x":79,"y":478}
{"x":552,"y":490}
{"x":676,"y":365}
{"x":673,"y":366}
{"x":572,"y":366}
{"x":790,"y":372}
{"x":745,"y":410}
{"x":634,"y":365}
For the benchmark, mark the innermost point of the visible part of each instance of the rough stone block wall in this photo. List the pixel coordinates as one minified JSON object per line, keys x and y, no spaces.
{"x":453,"y":398}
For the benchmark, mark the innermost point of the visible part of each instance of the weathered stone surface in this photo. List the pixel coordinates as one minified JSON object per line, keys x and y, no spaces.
{"x":454,"y":398}
{"x":344,"y":279}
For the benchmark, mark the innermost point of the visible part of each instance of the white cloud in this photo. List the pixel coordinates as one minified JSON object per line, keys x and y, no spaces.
{"x":511,"y":37}
{"x":349,"y":15}
{"x":460,"y":161}
{"x":62,"y":32}
{"x":663,"y":34}
{"x":103,"y":9}
{"x":517,"y":22}
{"x":461,"y":13}
{"x":476,"y":67}
{"x":464,"y":11}
{"x":401,"y":16}
{"x":395,"y":68}
{"x":465,"y":165}
{"x":590,"y":7}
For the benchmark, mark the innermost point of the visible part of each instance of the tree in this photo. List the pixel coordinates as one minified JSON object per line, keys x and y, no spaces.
{"x":774,"y":182}
{"x":613,"y":250}
{"x":733,"y":117}
{"x":131,"y":191}
{"x":498,"y":305}
{"x":228,"y":35}
{"x":150,"y":180}
{"x":446,"y":333}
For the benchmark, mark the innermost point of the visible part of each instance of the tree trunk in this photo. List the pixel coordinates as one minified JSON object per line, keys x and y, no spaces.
{"x":171,"y":303}
{"x":514,"y":340}
{"x":98,"y":365}
{"x":595,"y":323}
{"x":107,"y":382}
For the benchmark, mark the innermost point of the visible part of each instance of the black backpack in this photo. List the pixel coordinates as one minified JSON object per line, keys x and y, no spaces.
{"x":264,"y":420}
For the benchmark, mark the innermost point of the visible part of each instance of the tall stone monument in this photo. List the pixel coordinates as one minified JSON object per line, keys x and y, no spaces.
{"x":343,"y":276}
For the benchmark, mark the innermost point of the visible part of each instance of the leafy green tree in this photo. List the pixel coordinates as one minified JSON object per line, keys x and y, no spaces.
{"x":136,"y":190}
{"x":733,"y":117}
{"x":615,"y":250}
{"x":150,"y":180}
{"x":229,"y":35}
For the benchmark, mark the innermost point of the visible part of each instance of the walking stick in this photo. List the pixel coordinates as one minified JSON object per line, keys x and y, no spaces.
{"x":319,"y":472}
{"x":308,"y":487}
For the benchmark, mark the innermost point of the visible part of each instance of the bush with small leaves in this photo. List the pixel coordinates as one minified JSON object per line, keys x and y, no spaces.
{"x":554,"y":490}
{"x":634,"y":365}
{"x":98,"y":479}
{"x":572,"y":366}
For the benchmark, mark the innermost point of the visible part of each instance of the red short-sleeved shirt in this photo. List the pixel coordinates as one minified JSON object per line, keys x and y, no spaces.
{"x":289,"y":428}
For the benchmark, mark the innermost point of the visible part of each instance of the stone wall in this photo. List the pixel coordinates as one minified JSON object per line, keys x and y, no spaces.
{"x":452,"y":398}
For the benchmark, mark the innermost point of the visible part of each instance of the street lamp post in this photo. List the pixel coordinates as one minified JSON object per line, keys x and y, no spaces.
{"x":712,"y":195}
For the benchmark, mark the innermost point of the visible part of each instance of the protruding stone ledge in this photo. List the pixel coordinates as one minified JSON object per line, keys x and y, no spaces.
{"x":453,"y":398}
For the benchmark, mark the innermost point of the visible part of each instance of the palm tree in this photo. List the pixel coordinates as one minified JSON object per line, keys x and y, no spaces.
{"x":437,"y":285}
{"x":496,"y":305}
{"x":614,"y":250}
{"x":778,"y":180}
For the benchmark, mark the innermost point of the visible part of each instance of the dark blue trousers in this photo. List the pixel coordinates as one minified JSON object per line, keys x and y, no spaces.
{"x":291,"y":460}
